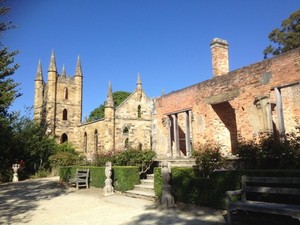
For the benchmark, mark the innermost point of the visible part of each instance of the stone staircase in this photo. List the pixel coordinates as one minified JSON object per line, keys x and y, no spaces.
{"x":145,"y":190}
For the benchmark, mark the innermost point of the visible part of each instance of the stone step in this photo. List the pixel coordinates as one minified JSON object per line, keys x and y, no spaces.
{"x":141,"y":194}
{"x":180,"y":162}
{"x":145,"y":190}
{"x":144,"y":187}
{"x":150,"y":176}
{"x":147,"y":181}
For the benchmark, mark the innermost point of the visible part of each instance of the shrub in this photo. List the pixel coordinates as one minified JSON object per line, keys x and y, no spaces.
{"x":64,"y":159}
{"x":131,"y":157}
{"x":65,"y":155}
{"x":271,"y":153}
{"x":208,"y":158}
{"x":134,"y":157}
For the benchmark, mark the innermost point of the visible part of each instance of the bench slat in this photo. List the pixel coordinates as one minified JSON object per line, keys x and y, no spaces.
{"x":282,"y":180}
{"x":273,"y":190}
{"x":266,"y":207}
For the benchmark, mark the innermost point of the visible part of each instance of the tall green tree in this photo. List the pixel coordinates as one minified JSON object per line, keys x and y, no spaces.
{"x":98,"y":113}
{"x":8,"y":93}
{"x":286,"y":38}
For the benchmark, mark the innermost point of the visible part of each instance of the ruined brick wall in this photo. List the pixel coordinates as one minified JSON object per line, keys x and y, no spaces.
{"x":238,"y":104}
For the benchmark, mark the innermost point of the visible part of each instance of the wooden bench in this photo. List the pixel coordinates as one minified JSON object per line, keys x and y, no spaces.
{"x":81,"y":178}
{"x":272,"y":195}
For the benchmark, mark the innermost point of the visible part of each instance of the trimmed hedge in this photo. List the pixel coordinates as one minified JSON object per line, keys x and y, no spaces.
{"x":124,"y":177}
{"x":189,"y":188}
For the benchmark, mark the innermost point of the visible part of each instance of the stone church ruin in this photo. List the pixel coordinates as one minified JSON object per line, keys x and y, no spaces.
{"x":260,"y":98}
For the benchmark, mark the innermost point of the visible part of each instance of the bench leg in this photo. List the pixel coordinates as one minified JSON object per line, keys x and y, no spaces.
{"x":229,"y":217}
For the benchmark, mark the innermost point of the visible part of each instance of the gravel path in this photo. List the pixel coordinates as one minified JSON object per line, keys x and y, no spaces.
{"x":46,"y":201}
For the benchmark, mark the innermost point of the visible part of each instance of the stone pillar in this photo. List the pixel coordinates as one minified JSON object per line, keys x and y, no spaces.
{"x":279,"y":111}
{"x":219,"y":50}
{"x":176,"y":134}
{"x":169,"y":123}
{"x":187,"y":134}
{"x":167,"y":200}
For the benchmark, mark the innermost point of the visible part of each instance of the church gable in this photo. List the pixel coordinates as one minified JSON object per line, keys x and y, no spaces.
{"x":136,"y":106}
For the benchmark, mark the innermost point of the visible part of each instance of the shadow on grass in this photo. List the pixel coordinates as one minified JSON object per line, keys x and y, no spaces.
{"x":19,"y":199}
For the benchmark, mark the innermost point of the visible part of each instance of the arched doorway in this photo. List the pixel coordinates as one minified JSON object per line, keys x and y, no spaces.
{"x":64,"y":138}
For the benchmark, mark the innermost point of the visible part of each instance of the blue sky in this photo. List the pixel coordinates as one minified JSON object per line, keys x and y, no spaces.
{"x":166,"y":41}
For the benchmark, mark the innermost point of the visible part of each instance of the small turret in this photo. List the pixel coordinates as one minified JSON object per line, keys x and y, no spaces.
{"x":63,"y":72}
{"x":39,"y":73}
{"x":51,"y":95}
{"x":38,"y":93}
{"x":139,"y":87}
{"x":109,"y":100}
{"x":52,"y":65}
{"x":109,"y":114}
{"x":78,"y":71}
{"x":78,"y":77}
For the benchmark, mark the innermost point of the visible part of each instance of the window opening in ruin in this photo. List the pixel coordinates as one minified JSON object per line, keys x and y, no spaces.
{"x":125,"y":130}
{"x":96,"y":140}
{"x":66,"y":93}
{"x":126,"y":144}
{"x":139,"y":112}
{"x":140,"y":146}
{"x":64,"y":138}
{"x":65,"y":114}
{"x":227,"y":116}
{"x":85,"y":142}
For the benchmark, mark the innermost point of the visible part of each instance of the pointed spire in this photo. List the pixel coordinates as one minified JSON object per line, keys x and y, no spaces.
{"x":63,"y":73}
{"x":39,"y":73}
{"x":52,"y":66}
{"x":109,"y":99}
{"x":78,"y":71}
{"x":139,"y":79}
{"x":139,"y":87}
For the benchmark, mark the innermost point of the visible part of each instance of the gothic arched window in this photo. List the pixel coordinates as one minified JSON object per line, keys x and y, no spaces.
{"x":125,"y":130}
{"x":126,"y":143}
{"x":139,"y":112}
{"x":66,"y":93}
{"x":65,"y":114}
{"x":96,"y":140}
{"x":85,"y":142}
{"x":140,"y":146}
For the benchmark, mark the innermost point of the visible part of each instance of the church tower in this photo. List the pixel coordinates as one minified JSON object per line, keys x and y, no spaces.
{"x":58,"y":102}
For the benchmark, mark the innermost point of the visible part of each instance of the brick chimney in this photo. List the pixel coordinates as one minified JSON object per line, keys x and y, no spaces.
{"x":219,"y":50}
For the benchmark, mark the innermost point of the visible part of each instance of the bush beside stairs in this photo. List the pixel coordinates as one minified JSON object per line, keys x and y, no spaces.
{"x":145,"y":190}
